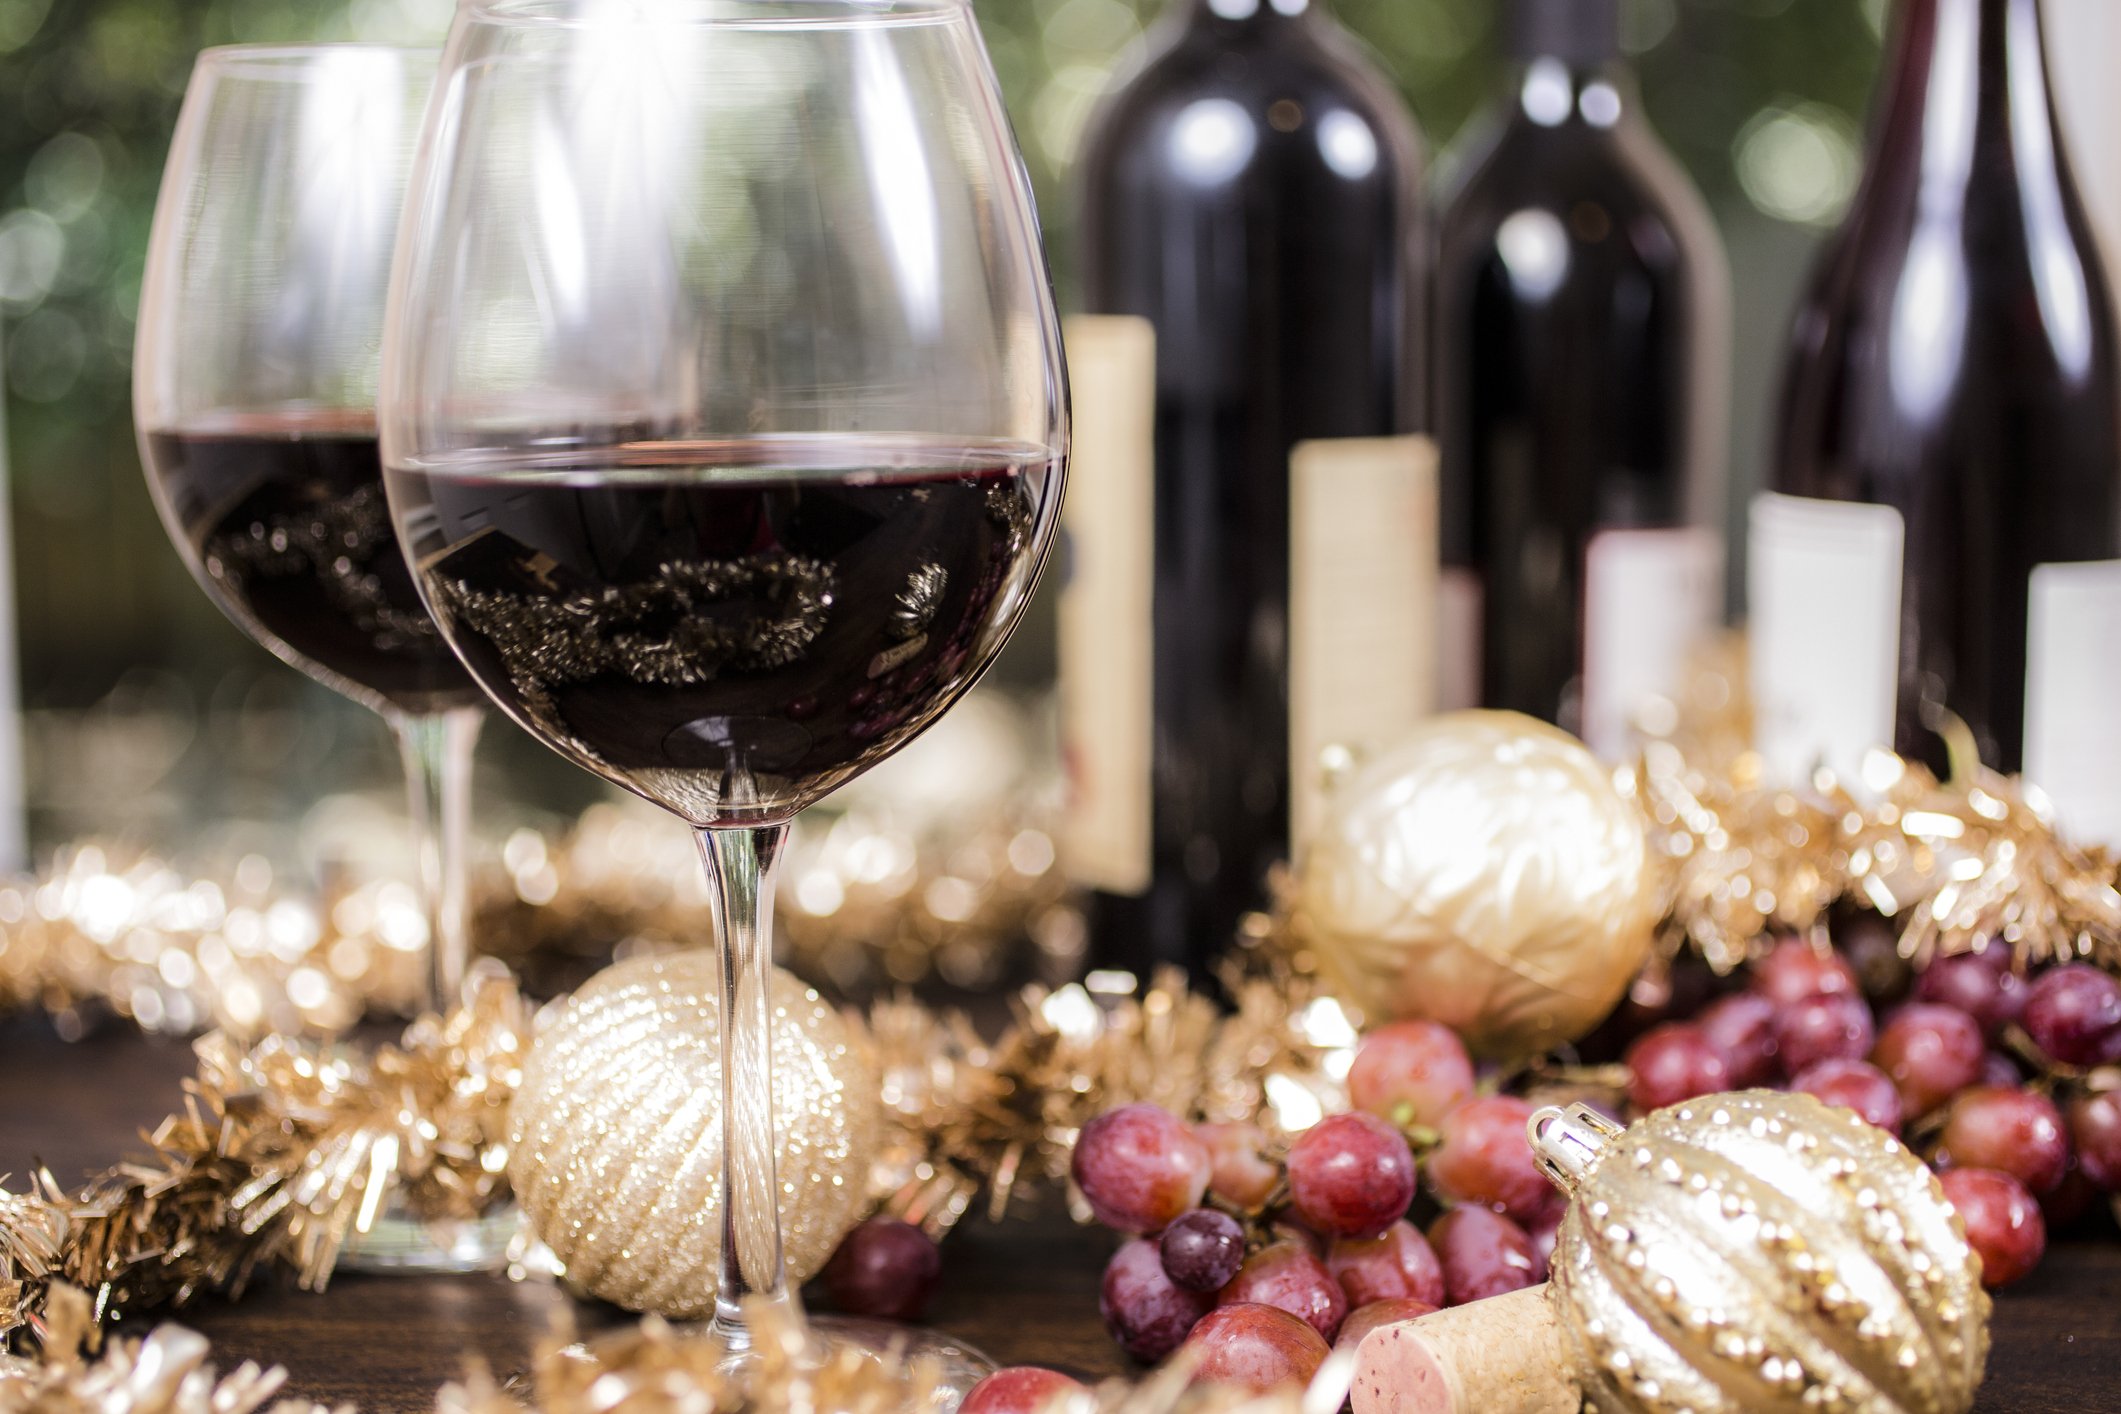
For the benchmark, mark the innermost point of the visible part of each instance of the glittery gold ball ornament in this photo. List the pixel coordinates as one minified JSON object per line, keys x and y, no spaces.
{"x":1758,"y":1253}
{"x":1484,"y":873}
{"x":1750,"y":1253}
{"x":617,"y":1150}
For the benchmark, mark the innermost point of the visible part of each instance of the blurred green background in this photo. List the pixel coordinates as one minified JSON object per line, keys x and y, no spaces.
{"x":1762,"y":100}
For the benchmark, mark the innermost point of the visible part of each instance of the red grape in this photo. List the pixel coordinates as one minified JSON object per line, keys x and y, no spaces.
{"x":1397,"y":1264}
{"x":1793,"y":970}
{"x":1485,"y":1158}
{"x":1410,"y":1072}
{"x":2014,"y":1131}
{"x":1999,"y":1069}
{"x":1981,"y":984}
{"x":2070,"y":1200}
{"x":1742,"y":1026}
{"x":2095,"y":1128}
{"x":884,"y":1268}
{"x":1826,"y":1026}
{"x":2003,"y":1223}
{"x":1291,"y":1278}
{"x":1483,"y":1254}
{"x":1139,"y":1167}
{"x":1351,"y":1175}
{"x":1854,"y":1085}
{"x":1674,"y":1062}
{"x":1145,"y":1312}
{"x":1020,"y":1389}
{"x":1203,"y":1249}
{"x":1871,"y":947}
{"x":1248,"y":1346}
{"x":1285,"y":1228}
{"x":1364,"y":1319}
{"x":2073,"y":1013}
{"x":1239,"y":1170}
{"x":1932,"y":1052}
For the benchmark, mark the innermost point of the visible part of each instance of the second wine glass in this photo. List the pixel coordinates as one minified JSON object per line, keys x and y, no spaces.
{"x":723,"y":422}
{"x":254,"y":386}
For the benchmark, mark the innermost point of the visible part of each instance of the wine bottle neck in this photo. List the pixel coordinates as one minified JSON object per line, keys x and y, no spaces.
{"x":1253,"y":13}
{"x":1551,"y":93}
{"x":1581,"y":34}
{"x":1967,"y":77}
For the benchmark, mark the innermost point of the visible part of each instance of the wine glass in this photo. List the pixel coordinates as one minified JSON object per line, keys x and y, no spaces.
{"x":254,"y":385}
{"x":723,"y":423}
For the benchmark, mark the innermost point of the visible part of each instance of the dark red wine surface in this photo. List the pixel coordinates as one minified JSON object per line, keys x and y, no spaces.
{"x":733,"y":629}
{"x":283,"y":520}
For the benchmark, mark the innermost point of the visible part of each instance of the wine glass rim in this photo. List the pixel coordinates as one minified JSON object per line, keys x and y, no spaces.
{"x":269,"y":59}
{"x":729,"y":14}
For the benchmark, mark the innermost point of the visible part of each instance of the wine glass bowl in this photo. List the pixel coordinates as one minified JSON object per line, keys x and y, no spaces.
{"x":732,"y":629}
{"x":255,"y":366}
{"x":725,"y":394}
{"x":724,"y":425}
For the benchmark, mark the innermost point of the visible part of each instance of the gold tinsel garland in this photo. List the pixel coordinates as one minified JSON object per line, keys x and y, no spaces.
{"x":648,"y":1369}
{"x":166,"y":1373}
{"x":1959,"y":865}
{"x":653,"y":1369}
{"x":976,"y":1114}
{"x":281,"y":1152}
{"x":864,"y":900}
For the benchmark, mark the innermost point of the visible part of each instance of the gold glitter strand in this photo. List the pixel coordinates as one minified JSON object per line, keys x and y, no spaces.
{"x":973,"y":1114}
{"x":167,"y":1373}
{"x":1960,"y":865}
{"x":278,"y":1152}
{"x":864,"y":900}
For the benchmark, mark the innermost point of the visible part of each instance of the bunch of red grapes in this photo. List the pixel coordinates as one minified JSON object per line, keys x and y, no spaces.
{"x":1259,"y":1262}
{"x":1938,"y":1070}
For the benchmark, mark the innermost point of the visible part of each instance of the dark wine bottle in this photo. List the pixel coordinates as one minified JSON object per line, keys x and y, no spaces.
{"x":1581,"y":365}
{"x":1951,"y":424}
{"x":1251,"y":199}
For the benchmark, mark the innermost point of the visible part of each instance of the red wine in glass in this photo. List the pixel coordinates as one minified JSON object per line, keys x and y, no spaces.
{"x":283,"y":519}
{"x":730,"y":629}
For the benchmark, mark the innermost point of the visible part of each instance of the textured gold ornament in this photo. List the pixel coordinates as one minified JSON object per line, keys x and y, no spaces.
{"x":617,"y":1155}
{"x":1485,"y":873}
{"x":1760,"y":1253}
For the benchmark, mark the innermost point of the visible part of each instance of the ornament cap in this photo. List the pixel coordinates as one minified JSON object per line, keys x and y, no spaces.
{"x":1567,"y":1142}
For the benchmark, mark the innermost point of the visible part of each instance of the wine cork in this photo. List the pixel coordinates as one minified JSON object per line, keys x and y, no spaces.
{"x":1503,"y":1355}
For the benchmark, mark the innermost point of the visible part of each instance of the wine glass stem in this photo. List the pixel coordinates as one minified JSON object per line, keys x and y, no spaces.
{"x":437,"y":750}
{"x":741,"y":865}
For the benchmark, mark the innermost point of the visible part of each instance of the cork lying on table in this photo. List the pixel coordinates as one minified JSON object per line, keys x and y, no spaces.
{"x":1503,"y":1355}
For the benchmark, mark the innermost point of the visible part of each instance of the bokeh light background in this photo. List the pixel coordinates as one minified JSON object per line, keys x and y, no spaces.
{"x":149,"y":713}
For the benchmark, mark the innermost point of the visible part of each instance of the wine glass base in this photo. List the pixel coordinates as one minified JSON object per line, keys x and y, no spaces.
{"x":958,"y":1366}
{"x":398,"y":1242}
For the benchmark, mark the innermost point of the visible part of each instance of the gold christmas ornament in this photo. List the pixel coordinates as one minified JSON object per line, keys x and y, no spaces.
{"x":1751,"y":1253}
{"x":1484,"y":873}
{"x":617,"y":1129}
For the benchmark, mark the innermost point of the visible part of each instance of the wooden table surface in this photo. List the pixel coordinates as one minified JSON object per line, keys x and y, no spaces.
{"x":1023,"y":1292}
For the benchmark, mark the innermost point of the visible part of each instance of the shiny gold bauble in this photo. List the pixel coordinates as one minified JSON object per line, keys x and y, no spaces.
{"x":1760,"y":1253}
{"x":617,"y":1145}
{"x":1484,"y":873}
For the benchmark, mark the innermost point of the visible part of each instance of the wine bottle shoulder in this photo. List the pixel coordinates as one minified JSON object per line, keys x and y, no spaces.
{"x":1306,"y":97}
{"x":1619,"y":181}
